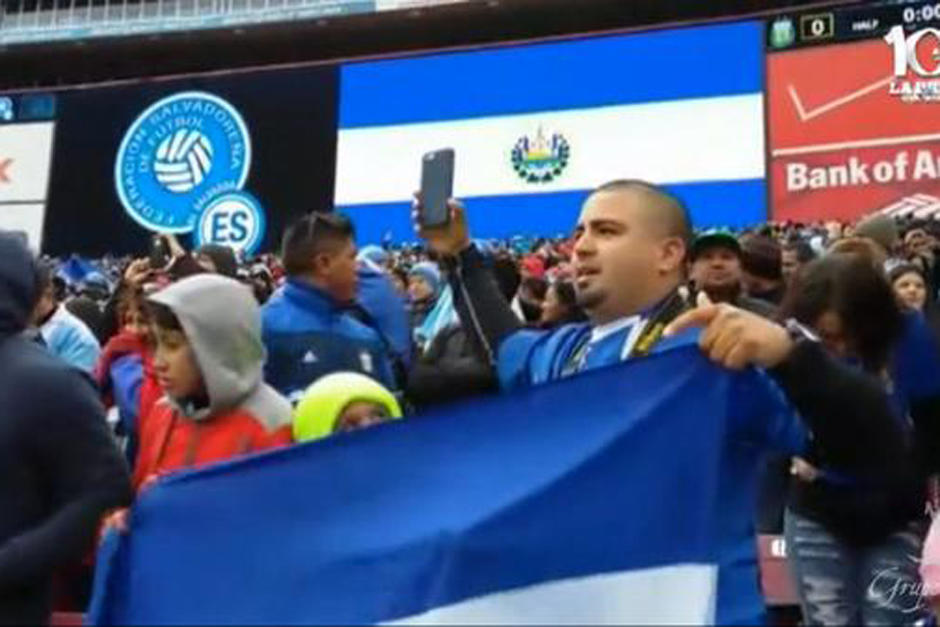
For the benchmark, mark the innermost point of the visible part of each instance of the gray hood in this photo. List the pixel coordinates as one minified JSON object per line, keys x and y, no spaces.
{"x":222,"y":322}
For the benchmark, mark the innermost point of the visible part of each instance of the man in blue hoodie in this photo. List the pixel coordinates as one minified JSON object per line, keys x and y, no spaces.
{"x":306,"y":326}
{"x":380,"y":306}
{"x":630,"y":247}
{"x":59,"y":468}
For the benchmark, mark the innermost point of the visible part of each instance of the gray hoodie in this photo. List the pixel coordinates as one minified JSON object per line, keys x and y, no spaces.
{"x":222,"y":323}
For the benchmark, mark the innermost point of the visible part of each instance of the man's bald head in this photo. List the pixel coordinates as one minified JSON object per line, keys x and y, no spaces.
{"x":666,"y":213}
{"x":630,"y":246}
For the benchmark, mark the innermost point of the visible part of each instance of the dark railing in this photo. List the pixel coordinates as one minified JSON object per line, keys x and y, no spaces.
{"x":42,"y":21}
{"x":72,"y":42}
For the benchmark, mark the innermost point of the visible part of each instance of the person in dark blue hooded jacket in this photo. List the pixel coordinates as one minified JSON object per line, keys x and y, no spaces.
{"x":59,"y":469}
{"x":307,"y":326}
{"x":380,"y":306}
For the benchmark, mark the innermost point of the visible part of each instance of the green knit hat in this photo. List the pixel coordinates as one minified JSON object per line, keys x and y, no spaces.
{"x":324,"y":402}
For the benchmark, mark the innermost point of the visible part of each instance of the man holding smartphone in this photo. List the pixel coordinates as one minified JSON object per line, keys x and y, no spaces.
{"x":630,"y":248}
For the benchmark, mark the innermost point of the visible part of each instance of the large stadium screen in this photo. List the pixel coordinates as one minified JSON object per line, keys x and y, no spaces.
{"x":231,"y":158}
{"x":847,"y":127}
{"x":854,"y":112}
{"x":534,"y":127}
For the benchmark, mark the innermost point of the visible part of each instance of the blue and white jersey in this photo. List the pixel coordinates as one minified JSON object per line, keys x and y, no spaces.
{"x":307,"y":336}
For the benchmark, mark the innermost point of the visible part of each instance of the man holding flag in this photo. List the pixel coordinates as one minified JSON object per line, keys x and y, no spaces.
{"x":630,"y":247}
{"x":621,"y":495}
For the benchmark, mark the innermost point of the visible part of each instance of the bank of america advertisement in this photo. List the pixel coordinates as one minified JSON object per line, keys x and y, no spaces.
{"x":853,"y":131}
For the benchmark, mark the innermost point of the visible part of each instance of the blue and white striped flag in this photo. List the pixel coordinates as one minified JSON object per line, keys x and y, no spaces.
{"x":535,"y":127}
{"x":559,"y":505}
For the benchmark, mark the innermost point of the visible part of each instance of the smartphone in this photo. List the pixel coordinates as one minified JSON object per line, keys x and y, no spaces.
{"x":159,"y":253}
{"x":437,"y":186}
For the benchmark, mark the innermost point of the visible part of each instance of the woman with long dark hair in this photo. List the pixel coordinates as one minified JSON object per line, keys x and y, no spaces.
{"x":853,"y":534}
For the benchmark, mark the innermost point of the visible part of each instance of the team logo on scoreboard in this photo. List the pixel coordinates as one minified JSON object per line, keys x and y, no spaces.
{"x":782,"y":33}
{"x":917,"y":53}
{"x":541,"y":159}
{"x":178,"y":156}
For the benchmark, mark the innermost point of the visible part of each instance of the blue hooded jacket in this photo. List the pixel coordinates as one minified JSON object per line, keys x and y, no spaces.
{"x":308,"y":335}
{"x":386,"y":308}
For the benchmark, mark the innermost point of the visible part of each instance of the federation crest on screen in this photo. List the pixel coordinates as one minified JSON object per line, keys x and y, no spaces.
{"x":178,"y":156}
{"x":541,"y":159}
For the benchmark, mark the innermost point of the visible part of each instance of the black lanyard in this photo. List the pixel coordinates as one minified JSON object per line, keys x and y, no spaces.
{"x":653,"y":327}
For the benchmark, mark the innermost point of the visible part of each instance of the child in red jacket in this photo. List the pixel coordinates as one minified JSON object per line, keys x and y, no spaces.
{"x":208,"y":360}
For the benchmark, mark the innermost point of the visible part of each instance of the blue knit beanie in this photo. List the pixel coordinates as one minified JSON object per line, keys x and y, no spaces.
{"x":430,"y":273}
{"x":373,"y":253}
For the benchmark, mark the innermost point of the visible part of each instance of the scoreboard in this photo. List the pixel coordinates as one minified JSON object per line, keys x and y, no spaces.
{"x":817,"y":27}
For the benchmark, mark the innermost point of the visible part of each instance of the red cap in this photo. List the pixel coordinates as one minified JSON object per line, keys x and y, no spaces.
{"x":533,"y":266}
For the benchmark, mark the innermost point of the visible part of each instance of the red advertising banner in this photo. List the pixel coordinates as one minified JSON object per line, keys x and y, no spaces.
{"x":843,"y":142}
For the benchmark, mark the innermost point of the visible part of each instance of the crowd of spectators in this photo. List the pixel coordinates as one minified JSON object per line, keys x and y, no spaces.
{"x":200,"y":356}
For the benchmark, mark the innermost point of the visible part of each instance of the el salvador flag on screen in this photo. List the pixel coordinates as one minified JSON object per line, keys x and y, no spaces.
{"x":535,"y":127}
{"x":583,"y":502}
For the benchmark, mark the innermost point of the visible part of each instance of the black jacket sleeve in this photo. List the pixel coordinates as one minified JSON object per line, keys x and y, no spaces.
{"x":847,"y":411}
{"x":482,"y":308}
{"x":450,"y":370}
{"x":925,"y":413}
{"x":430,"y":384}
{"x":81,"y":469}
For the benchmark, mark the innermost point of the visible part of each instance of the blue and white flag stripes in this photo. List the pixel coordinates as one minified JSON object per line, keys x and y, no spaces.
{"x":559,"y":505}
{"x":682,"y":108}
